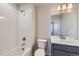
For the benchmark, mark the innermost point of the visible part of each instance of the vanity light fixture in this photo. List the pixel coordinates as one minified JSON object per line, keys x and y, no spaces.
{"x":58,"y":8}
{"x":64,"y":8}
{"x":69,"y":8}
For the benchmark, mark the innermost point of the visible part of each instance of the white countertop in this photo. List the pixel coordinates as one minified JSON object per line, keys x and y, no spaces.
{"x":67,"y":41}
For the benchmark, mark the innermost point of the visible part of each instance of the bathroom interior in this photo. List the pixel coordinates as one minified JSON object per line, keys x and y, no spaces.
{"x":39,"y":29}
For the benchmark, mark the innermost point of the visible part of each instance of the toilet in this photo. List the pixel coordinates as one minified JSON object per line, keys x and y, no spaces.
{"x":41,"y":46}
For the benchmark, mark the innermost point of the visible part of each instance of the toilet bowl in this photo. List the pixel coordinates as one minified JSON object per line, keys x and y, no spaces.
{"x":41,"y":46}
{"x":40,"y":52}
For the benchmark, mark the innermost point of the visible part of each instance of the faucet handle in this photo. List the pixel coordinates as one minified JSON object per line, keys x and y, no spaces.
{"x":24,"y":38}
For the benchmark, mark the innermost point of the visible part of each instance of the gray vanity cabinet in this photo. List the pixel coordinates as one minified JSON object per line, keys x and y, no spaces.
{"x":64,"y":50}
{"x":60,"y":53}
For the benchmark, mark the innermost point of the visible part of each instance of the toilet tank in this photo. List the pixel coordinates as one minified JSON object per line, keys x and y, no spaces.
{"x":41,"y":43}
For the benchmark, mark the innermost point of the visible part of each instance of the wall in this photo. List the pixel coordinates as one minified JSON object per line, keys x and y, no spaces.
{"x":78,"y":21}
{"x":43,"y":19}
{"x":8,"y":28}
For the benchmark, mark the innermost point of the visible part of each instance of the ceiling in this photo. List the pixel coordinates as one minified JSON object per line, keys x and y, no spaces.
{"x":36,"y":4}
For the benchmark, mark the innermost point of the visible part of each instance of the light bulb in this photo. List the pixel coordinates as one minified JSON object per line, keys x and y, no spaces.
{"x":64,"y":7}
{"x":58,"y":8}
{"x":69,"y":6}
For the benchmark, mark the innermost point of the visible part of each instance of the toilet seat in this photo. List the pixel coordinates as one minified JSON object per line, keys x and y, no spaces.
{"x":39,"y":52}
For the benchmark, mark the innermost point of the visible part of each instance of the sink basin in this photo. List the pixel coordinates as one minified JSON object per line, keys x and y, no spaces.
{"x":66,"y":41}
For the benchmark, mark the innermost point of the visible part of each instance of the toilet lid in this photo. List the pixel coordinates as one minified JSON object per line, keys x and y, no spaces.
{"x":39,"y":52}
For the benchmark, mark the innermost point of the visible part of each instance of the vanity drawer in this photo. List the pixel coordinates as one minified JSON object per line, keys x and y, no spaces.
{"x":73,"y":49}
{"x":60,"y":53}
{"x":73,"y":54}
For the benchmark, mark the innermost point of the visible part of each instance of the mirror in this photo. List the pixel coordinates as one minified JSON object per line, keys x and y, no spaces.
{"x":65,"y":24}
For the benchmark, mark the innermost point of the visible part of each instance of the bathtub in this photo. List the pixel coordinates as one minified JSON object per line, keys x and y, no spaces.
{"x":18,"y":52}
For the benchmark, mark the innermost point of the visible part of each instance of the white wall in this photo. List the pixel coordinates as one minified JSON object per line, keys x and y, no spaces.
{"x":78,"y":22}
{"x":43,"y":20}
{"x":8,"y":28}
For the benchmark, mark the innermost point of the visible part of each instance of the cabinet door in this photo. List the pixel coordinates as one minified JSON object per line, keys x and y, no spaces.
{"x":73,"y":54}
{"x":60,"y":53}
